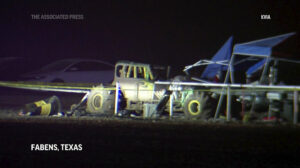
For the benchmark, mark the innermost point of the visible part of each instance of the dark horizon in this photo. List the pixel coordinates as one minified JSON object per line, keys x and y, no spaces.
{"x":168,"y":32}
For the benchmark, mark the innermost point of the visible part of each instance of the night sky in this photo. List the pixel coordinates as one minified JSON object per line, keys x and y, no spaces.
{"x":162,"y":32}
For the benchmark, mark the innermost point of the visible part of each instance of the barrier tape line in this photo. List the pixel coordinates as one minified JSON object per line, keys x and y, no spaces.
{"x":49,"y":87}
{"x":85,"y":89}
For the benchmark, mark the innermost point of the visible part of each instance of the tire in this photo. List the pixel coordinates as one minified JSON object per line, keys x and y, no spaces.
{"x":55,"y":104}
{"x":198,"y":107}
{"x":101,"y":101}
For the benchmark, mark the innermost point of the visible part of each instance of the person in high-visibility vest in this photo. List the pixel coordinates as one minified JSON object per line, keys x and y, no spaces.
{"x":48,"y":107}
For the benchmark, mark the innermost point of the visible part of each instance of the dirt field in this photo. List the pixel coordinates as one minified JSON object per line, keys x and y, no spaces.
{"x":114,"y":142}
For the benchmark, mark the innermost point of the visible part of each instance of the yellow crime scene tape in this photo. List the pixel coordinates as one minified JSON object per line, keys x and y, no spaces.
{"x":56,"y":87}
{"x":87,"y":87}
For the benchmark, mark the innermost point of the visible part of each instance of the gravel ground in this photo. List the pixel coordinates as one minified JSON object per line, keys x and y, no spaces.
{"x":115,"y":142}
